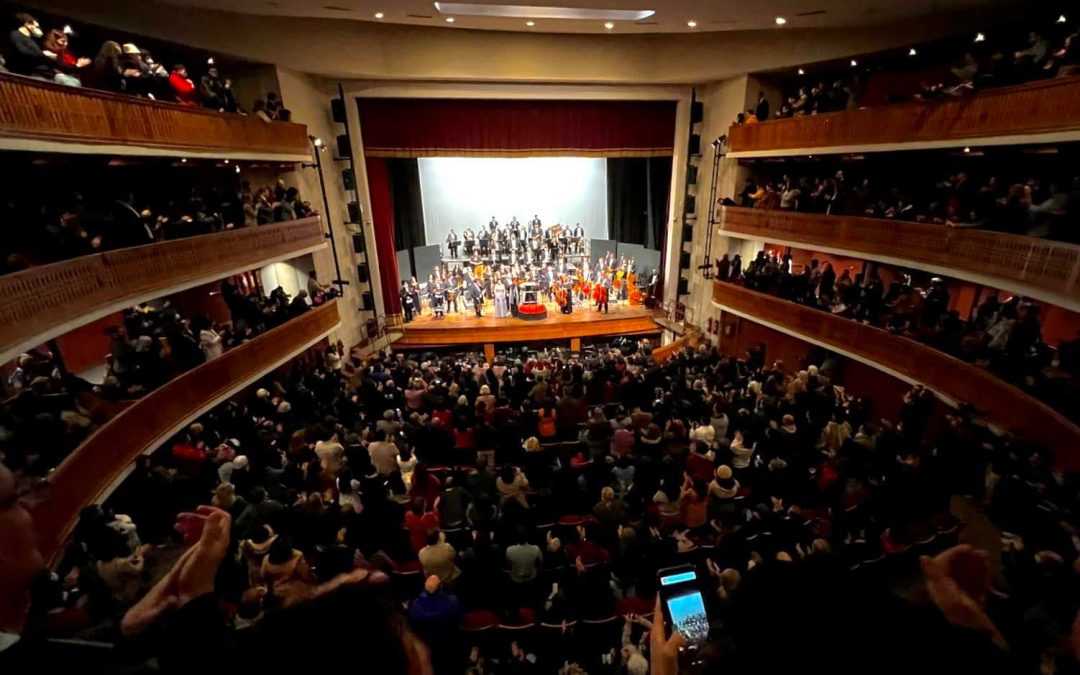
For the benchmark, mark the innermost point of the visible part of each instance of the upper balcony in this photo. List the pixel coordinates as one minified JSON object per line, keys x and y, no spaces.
{"x":1041,"y":112}
{"x":1047,"y":270}
{"x":1000,"y":401}
{"x":106,"y":457}
{"x":43,"y":302}
{"x":41,"y":116}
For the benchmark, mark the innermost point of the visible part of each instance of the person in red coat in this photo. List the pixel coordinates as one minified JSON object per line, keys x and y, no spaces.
{"x":602,"y":298}
{"x":183,"y":87}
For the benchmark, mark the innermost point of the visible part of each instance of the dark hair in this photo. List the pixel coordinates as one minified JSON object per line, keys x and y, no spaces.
{"x":433,"y":538}
{"x":24,"y":18}
{"x":280,"y":551}
{"x":507,"y":474}
{"x":260,"y":534}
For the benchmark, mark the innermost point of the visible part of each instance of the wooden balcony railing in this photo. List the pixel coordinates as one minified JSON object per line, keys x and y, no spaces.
{"x":1001,"y":402}
{"x":35,"y":110}
{"x":86,"y":475}
{"x":1043,"y":107}
{"x":1037,"y":267}
{"x":42,"y":302}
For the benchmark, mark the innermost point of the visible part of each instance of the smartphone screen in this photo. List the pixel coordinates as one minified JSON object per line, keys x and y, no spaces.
{"x":684,"y":604}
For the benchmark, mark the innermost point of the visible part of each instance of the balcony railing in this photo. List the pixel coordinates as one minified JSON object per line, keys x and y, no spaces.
{"x":998,"y":400}
{"x":104,"y":458}
{"x":1047,"y":107}
{"x":42,"y":302}
{"x":34,"y":113}
{"x":1037,"y":267}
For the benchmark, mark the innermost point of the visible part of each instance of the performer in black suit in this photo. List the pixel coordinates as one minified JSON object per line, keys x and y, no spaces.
{"x":476,"y":292}
{"x":469,"y":238}
{"x":452,"y":242}
{"x":407,"y":301}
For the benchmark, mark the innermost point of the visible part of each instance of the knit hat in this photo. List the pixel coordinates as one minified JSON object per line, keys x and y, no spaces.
{"x":723,"y":472}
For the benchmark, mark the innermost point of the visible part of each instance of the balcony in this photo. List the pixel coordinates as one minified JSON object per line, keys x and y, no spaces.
{"x":91,"y":472}
{"x":1048,"y":270}
{"x":44,"y":117}
{"x":42,"y":302}
{"x":1041,"y":112}
{"x":1001,"y":402}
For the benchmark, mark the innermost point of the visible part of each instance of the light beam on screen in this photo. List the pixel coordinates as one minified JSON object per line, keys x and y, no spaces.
{"x":462,"y":192}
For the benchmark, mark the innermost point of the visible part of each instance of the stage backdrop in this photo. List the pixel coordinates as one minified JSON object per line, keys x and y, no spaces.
{"x":462,"y":192}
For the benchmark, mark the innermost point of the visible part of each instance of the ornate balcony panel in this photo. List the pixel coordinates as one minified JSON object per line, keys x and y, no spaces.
{"x":1044,"y":111}
{"x":42,"y":116}
{"x":88,"y":474}
{"x":40,"y":303}
{"x":1001,"y":402}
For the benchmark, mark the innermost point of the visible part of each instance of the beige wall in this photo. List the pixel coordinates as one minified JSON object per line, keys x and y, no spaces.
{"x":356,"y":49}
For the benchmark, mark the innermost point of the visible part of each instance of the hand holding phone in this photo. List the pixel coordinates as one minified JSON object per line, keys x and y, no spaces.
{"x":663,"y":651}
{"x":682,"y":604}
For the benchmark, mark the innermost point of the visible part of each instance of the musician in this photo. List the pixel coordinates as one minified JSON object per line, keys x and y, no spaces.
{"x":452,"y":242}
{"x":435,"y":297}
{"x":476,"y":293}
{"x":577,"y":235}
{"x":602,"y":298}
{"x":448,"y":294}
{"x":515,"y":228}
{"x":407,"y":301}
{"x":485,"y":242}
{"x":493,"y":225}
{"x":535,"y":224}
{"x":501,"y":292}
{"x":564,"y":241}
{"x":469,"y":238}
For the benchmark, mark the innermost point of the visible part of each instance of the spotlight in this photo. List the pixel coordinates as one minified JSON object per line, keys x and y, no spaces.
{"x":1062,"y":19}
{"x":854,"y":63}
{"x":912,"y":52}
{"x":68,"y":30}
{"x":691,"y":23}
{"x":226,"y":161}
{"x":609,"y":25}
{"x":966,"y":150}
{"x":780,"y":21}
{"x":379,"y":15}
{"x":449,"y":19}
{"x":183,"y":160}
{"x":801,"y":71}
{"x":530,"y":24}
{"x":979,"y":37}
{"x":210,"y":61}
{"x":237,"y":169}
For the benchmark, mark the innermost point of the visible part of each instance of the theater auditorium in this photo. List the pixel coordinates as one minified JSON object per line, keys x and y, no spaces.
{"x":585,"y":337}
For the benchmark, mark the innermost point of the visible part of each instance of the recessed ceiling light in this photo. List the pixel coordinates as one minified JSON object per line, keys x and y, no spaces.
{"x":691,"y":23}
{"x":780,"y":21}
{"x":609,"y":25}
{"x":1062,"y":19}
{"x":523,"y":11}
{"x":801,"y":71}
{"x":854,"y":63}
{"x":530,"y":24}
{"x":449,"y":19}
{"x":379,"y":15}
{"x":183,"y":160}
{"x":226,"y":161}
{"x":979,"y":37}
{"x":967,"y":150}
{"x":912,"y":52}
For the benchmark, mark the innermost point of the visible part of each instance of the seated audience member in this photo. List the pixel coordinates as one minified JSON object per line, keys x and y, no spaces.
{"x":25,"y":55}
{"x":68,"y":65}
{"x":182,"y":86}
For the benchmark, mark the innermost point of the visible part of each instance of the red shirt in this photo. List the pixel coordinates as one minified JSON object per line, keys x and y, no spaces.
{"x":699,"y":467}
{"x":184,"y":89}
{"x":419,"y":527}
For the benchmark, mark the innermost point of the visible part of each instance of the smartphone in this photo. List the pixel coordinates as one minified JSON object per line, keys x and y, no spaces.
{"x":683,"y":604}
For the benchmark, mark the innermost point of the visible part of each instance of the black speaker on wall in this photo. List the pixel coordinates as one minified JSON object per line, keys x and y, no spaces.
{"x":695,"y":144}
{"x":691,"y":175}
{"x":684,"y":286}
{"x":354,"y":212}
{"x":343,"y":147}
{"x":348,"y":179}
{"x":362,"y":273}
{"x":369,"y":300}
{"x":697,"y":112}
{"x":691,"y":204}
{"x":684,"y":260}
{"x":337,"y":109}
{"x":358,"y":243}
{"x":688,"y":233}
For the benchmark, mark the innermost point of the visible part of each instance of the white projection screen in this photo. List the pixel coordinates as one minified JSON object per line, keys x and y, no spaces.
{"x":460,"y":192}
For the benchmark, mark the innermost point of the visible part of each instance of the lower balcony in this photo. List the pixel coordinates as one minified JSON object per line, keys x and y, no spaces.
{"x":98,"y":465}
{"x":999,"y":401}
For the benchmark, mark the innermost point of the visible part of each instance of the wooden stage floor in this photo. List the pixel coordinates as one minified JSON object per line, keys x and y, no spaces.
{"x":468,"y":329}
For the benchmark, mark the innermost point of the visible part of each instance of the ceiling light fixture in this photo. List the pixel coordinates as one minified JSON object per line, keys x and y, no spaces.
{"x":449,"y":19}
{"x":183,"y":160}
{"x":912,"y":52}
{"x":609,"y":25}
{"x":530,"y":24}
{"x":854,"y":63}
{"x":379,"y":15}
{"x":979,"y":37}
{"x":801,"y":71}
{"x":531,"y":12}
{"x":1062,"y":19}
{"x":780,"y":21}
{"x":691,"y":24}
{"x":967,"y":150}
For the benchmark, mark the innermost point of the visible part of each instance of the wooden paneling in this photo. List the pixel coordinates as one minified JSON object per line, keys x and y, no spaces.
{"x":88,"y":472}
{"x":467,"y":330}
{"x":42,"y":302}
{"x":1038,"y":108}
{"x":1001,"y":402}
{"x":38,"y":110}
{"x":1046,"y":269}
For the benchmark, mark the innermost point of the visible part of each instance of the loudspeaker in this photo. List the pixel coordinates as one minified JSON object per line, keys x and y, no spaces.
{"x":695,"y":144}
{"x":691,"y":175}
{"x":362,"y":273}
{"x":354,"y":212}
{"x":691,"y":204}
{"x":684,"y":286}
{"x":369,"y":300}
{"x":358,"y":243}
{"x":684,"y":260}
{"x":697,"y":112}
{"x":345,"y":150}
{"x":348,"y":179}
{"x":688,"y":232}
{"x":337,"y":110}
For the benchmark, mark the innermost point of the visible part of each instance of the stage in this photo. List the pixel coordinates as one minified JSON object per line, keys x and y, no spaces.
{"x":584,"y":322}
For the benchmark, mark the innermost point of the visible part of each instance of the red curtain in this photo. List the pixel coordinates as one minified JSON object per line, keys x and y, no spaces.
{"x":382,"y":221}
{"x":395,"y":127}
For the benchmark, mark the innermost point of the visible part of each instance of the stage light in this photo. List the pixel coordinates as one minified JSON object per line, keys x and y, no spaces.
{"x":183,"y":160}
{"x":379,"y":15}
{"x":237,"y":169}
{"x":967,"y":150}
{"x":226,"y":161}
{"x":449,"y":19}
{"x":68,"y":30}
{"x":609,"y":25}
{"x":210,"y":61}
{"x":1062,"y":19}
{"x":854,"y":63}
{"x":522,"y":11}
{"x":691,"y":23}
{"x":912,"y":52}
{"x":979,"y":37}
{"x":780,"y":21}
{"x":530,"y":24}
{"x":801,"y":71}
